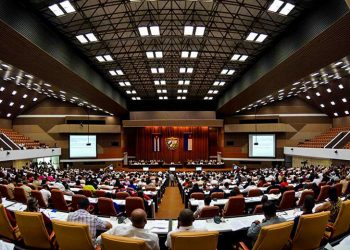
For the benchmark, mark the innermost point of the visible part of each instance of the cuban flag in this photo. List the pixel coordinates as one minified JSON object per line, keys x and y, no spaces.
{"x":188,"y":142}
{"x":156,"y":142}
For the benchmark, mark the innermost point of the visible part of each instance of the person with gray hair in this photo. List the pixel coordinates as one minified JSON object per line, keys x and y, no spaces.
{"x":136,"y":230}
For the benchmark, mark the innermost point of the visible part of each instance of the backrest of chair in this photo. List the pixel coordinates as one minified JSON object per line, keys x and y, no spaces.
{"x":217,"y":195}
{"x":75,"y":200}
{"x":32,"y":228}
{"x":131,"y":203}
{"x":288,"y":200}
{"x":342,"y":223}
{"x":197,"y":196}
{"x":58,"y":200}
{"x":151,"y":189}
{"x":20,"y":195}
{"x":39,"y":196}
{"x":310,"y":226}
{"x":6,"y":229}
{"x":236,"y":205}
{"x":122,"y":195}
{"x":100,"y":193}
{"x":274,"y":236}
{"x":209,"y":212}
{"x":258,"y":209}
{"x":71,"y":235}
{"x":339,"y":188}
{"x":4,"y":191}
{"x":194,"y":240}
{"x":112,"y":242}
{"x":274,"y":191}
{"x":303,"y":196}
{"x":254,"y":192}
{"x":106,"y":207}
{"x":323,"y":193}
{"x":87,"y":193}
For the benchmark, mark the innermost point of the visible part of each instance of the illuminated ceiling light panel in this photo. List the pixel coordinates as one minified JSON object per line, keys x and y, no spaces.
{"x":344,"y":100}
{"x":329,"y":90}
{"x":186,"y":70}
{"x":322,"y":105}
{"x":335,"y":114}
{"x":346,"y":112}
{"x":287,"y":9}
{"x":308,"y":97}
{"x":333,"y":103}
{"x":89,"y":37}
{"x":199,"y":31}
{"x":105,"y":58}
{"x":255,"y":37}
{"x":340,"y":86}
{"x":62,"y":8}
{"x":35,"y":99}
{"x":56,"y":10}
{"x":155,"y":31}
{"x":188,"y":30}
{"x":21,"y":107}
{"x":276,"y":6}
{"x":238,"y":57}
{"x":318,"y":94}
{"x":8,"y":115}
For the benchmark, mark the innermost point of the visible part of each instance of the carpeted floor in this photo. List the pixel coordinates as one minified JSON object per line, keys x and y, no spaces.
{"x":171,"y":204}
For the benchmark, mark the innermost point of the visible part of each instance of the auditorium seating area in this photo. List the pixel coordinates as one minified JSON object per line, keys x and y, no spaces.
{"x":19,"y":139}
{"x":322,"y":140}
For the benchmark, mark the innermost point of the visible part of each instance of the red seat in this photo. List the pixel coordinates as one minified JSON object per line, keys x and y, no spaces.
{"x":197,"y":196}
{"x":87,"y":193}
{"x":106,"y":207}
{"x":303,"y":195}
{"x":4,"y":191}
{"x":323,"y":193}
{"x":288,"y":200}
{"x":258,"y":209}
{"x":217,"y":195}
{"x":209,"y":212}
{"x":274,"y":191}
{"x":254,"y":192}
{"x":132,"y":203}
{"x":75,"y":200}
{"x":235,"y":206}
{"x":100,"y":193}
{"x":20,"y":195}
{"x":39,"y":196}
{"x":339,"y":188}
{"x":121,"y":195}
{"x":58,"y":200}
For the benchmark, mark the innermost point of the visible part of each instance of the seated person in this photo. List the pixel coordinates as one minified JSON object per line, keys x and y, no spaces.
{"x":195,"y":189}
{"x":45,"y":192}
{"x":333,"y":205}
{"x":273,"y":186}
{"x":185,"y":223}
{"x":33,"y":206}
{"x":309,"y":204}
{"x":136,"y":230}
{"x":215,"y":188}
{"x":83,"y":216}
{"x":207,"y":201}
{"x":269,"y":210}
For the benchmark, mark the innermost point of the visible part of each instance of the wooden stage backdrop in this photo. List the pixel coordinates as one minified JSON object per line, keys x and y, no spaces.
{"x":139,"y":143}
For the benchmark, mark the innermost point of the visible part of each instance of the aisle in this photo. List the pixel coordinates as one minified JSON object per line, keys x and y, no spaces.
{"x":171,"y":204}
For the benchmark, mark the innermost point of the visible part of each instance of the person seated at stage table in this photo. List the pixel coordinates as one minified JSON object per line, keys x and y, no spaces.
{"x":33,"y":206}
{"x":136,"y":230}
{"x":309,"y":204}
{"x":83,"y":216}
{"x":333,"y":205}
{"x":200,"y":207}
{"x":269,"y":209}
{"x":185,"y":223}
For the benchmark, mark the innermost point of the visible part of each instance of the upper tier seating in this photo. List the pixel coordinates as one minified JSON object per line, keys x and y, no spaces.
{"x":322,"y":140}
{"x":19,"y":139}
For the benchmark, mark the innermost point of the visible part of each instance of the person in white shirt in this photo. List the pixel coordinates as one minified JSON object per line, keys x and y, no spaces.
{"x":46,"y":194}
{"x":185,"y":223}
{"x":136,"y":230}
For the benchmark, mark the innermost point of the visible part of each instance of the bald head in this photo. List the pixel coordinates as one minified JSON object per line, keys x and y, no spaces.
{"x":186,"y":218}
{"x":138,"y":218}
